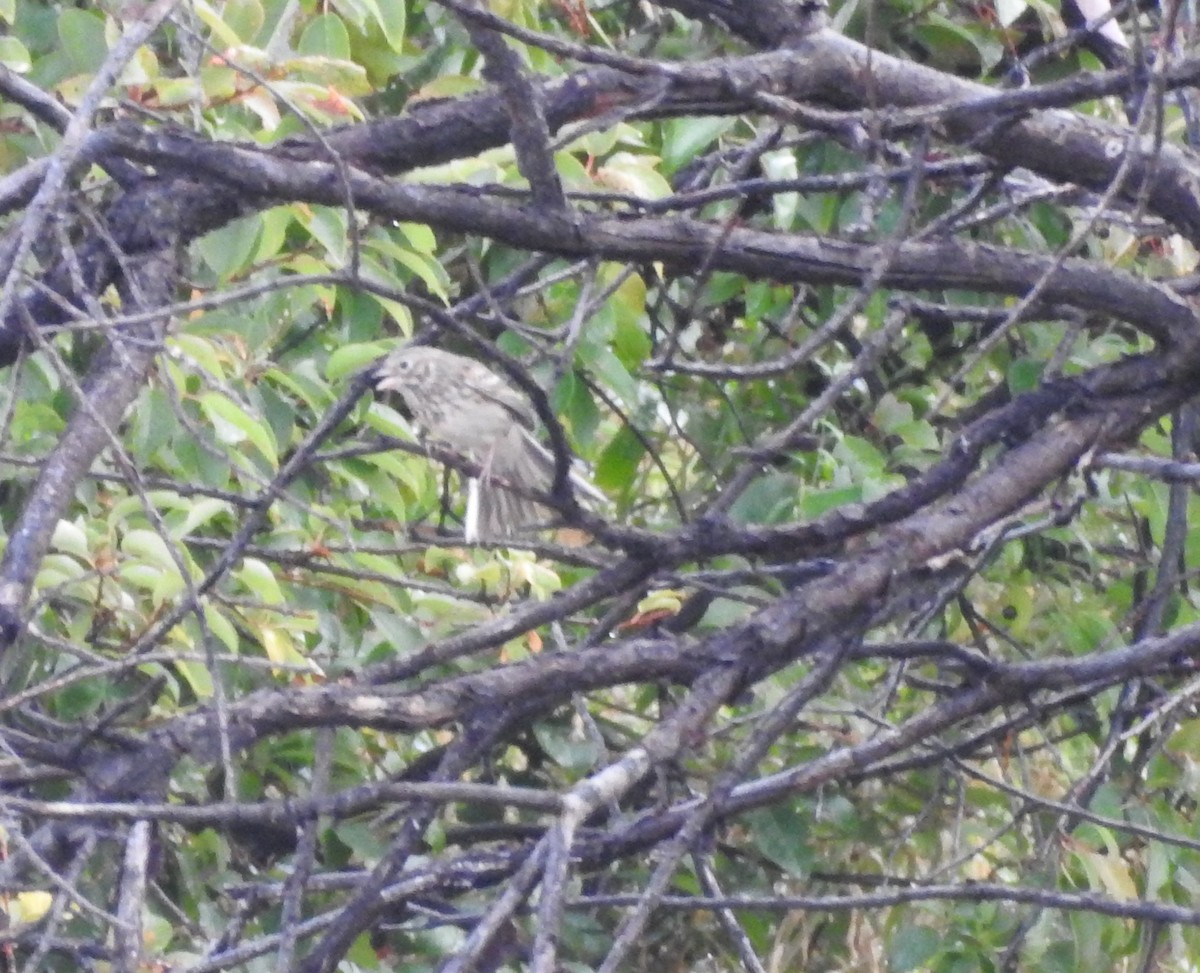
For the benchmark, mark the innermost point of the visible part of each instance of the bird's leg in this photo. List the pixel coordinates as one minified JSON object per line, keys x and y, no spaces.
{"x":444,"y":506}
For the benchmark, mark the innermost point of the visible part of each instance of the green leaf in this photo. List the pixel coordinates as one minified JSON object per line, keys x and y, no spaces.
{"x":197,"y":676}
{"x":768,"y":500}
{"x":686,"y":138}
{"x":419,"y":237}
{"x":153,"y":424}
{"x":197,"y":465}
{"x":198,"y":351}
{"x":351,"y":358}
{"x":313,"y":394}
{"x":616,"y":469}
{"x":244,"y":18}
{"x":223,"y":33}
{"x":411,"y":472}
{"x":1024,"y":375}
{"x":154,"y":568}
{"x":200,"y":511}
{"x":910,"y":946}
{"x":326,"y":36}
{"x":862,"y":456}
{"x":232,"y":424}
{"x":390,"y":16}
{"x":817,"y":502}
{"x":573,"y":752}
{"x":1185,"y":741}
{"x":573,"y":173}
{"x":611,"y":373}
{"x":228,"y":250}
{"x":781,"y":834}
{"x":273,"y":232}
{"x":56,"y":570}
{"x":13,"y":54}
{"x":420,"y":263}
{"x":148,"y":545}
{"x":955,"y":45}
{"x":71,"y":539}
{"x":177,"y":92}
{"x":636,"y":175}
{"x":258,"y":579}
{"x":573,"y":401}
{"x":82,"y":37}
{"x":782,"y":165}
{"x":222,"y":628}
{"x":328,"y":227}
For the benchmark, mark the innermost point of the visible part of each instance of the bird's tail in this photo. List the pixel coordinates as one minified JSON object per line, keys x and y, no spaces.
{"x":494,"y":510}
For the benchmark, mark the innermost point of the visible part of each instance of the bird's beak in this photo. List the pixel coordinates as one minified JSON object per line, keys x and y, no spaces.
{"x":382,"y":378}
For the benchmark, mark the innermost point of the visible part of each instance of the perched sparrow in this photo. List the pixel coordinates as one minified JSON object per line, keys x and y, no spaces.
{"x":471,"y":409}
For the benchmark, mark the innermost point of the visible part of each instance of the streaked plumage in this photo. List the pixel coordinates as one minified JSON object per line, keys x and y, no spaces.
{"x":467,"y":406}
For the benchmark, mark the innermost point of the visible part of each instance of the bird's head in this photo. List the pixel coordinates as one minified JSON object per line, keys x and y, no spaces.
{"x":404,"y":368}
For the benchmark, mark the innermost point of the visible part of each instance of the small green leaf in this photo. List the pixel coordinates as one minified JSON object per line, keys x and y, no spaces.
{"x":326,"y":36}
{"x":71,"y":539}
{"x":611,"y":372}
{"x":617,"y":467}
{"x":1024,"y":375}
{"x":199,"y":512}
{"x":197,"y":350}
{"x":768,"y":500}
{"x":153,"y":424}
{"x":861,"y":456}
{"x":782,"y":165}
{"x":221,"y":627}
{"x":149,"y":546}
{"x":637,"y":175}
{"x":572,"y":752}
{"x":81,"y":34}
{"x":817,"y":502}
{"x":225,"y":35}
{"x":408,"y":471}
{"x":233,"y":425}
{"x":175,"y":92}
{"x":686,"y":138}
{"x":911,"y":946}
{"x":228,"y":250}
{"x":244,"y":17}
{"x":197,"y":676}
{"x":273,"y":232}
{"x":781,"y":833}
{"x":419,"y":237}
{"x":350,"y":358}
{"x":57,"y":569}
{"x":328,"y":227}
{"x":390,"y":16}
{"x":260,"y":580}
{"x":572,"y":399}
{"x":13,"y":54}
{"x":420,"y":263}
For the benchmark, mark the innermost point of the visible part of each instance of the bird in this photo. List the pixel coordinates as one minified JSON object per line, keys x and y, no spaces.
{"x":462,"y":403}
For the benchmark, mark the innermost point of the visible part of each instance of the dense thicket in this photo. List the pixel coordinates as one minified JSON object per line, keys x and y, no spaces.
{"x":873,"y":324}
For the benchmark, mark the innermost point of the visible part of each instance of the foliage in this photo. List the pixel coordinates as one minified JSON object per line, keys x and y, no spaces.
{"x":881,"y":655}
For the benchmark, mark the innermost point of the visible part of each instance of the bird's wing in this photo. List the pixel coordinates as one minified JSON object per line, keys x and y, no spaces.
{"x":494,"y":389}
{"x":541,"y":457}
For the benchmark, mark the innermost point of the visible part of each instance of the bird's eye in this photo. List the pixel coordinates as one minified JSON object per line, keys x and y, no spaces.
{"x":404,"y":364}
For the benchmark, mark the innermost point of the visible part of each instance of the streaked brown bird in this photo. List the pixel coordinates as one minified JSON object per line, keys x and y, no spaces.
{"x":464,"y":404}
